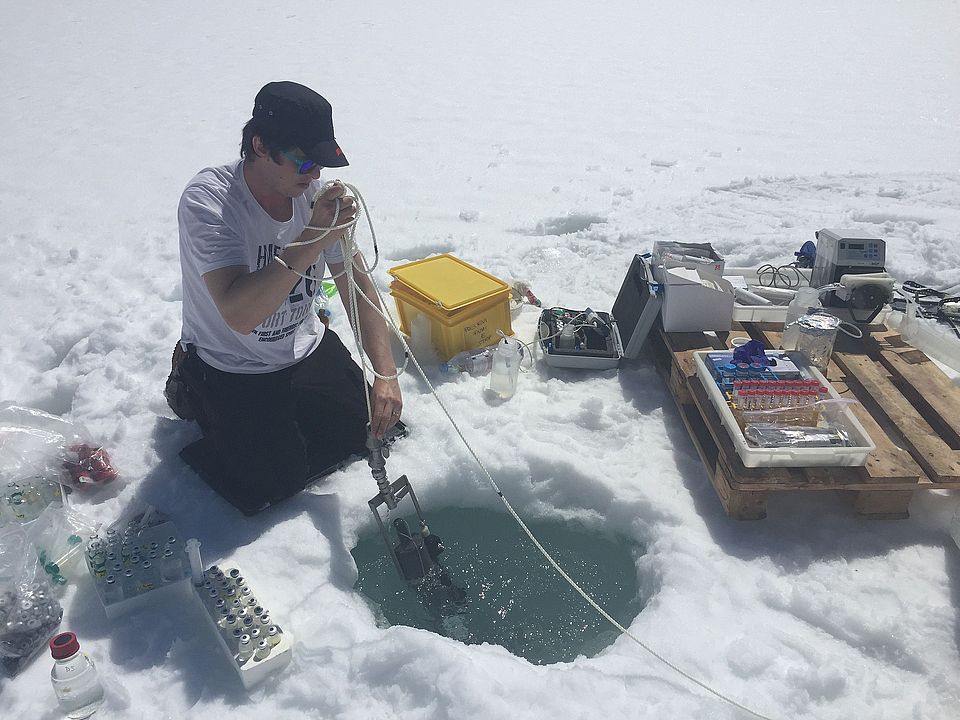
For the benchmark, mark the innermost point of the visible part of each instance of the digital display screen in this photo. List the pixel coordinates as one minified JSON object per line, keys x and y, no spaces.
{"x":855,"y":246}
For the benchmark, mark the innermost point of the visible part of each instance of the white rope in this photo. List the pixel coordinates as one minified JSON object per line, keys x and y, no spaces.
{"x":347,"y":243}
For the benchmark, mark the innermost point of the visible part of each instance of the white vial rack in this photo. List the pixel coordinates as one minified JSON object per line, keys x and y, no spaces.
{"x":255,"y":644}
{"x":133,"y":567}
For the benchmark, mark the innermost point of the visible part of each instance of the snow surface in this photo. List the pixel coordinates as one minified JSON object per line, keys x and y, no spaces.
{"x":548,"y":141}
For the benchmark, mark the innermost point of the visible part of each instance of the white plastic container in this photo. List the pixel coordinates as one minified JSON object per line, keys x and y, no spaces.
{"x":935,"y":339}
{"x":955,"y":527}
{"x":807,"y":299}
{"x":506,"y":368}
{"x":752,"y":278}
{"x":853,"y":456}
{"x":74,"y":678}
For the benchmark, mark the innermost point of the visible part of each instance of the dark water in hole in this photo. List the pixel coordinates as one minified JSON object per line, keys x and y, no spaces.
{"x":513,"y":597}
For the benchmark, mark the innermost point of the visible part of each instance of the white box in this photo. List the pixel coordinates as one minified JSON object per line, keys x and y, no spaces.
{"x":853,"y":456}
{"x":692,"y":256}
{"x":693,"y":301}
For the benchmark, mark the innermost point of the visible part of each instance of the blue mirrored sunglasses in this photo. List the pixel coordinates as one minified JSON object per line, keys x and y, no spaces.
{"x":304,"y":165}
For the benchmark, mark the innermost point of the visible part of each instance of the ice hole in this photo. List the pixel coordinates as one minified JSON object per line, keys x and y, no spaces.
{"x":513,"y":597}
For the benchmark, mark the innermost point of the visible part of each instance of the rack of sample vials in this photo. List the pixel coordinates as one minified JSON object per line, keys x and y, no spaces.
{"x":254,"y":642}
{"x":137,"y":563}
{"x":783,"y":412}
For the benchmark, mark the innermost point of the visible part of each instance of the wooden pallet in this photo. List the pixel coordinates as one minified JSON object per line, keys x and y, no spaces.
{"x":909,"y":408}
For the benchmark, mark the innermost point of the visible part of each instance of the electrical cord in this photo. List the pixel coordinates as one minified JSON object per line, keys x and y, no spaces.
{"x":779,"y":276}
{"x":347,"y":243}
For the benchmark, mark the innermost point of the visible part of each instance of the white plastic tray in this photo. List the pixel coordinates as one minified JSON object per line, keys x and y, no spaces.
{"x":251,"y":671}
{"x":161,"y":595}
{"x":760,"y":313}
{"x":158,"y":599}
{"x":786,"y":457}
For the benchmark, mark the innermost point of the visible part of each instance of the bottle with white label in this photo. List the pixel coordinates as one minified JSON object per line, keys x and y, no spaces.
{"x":74,"y":678}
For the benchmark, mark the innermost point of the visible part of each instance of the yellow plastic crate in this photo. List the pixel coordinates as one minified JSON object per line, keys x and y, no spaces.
{"x":465,"y":305}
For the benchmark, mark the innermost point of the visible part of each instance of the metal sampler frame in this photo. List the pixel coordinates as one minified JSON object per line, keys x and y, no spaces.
{"x":396,"y":491}
{"x":390,"y":493}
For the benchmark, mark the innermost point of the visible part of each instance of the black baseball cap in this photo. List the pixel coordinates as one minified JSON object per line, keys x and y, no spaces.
{"x":305,"y":116}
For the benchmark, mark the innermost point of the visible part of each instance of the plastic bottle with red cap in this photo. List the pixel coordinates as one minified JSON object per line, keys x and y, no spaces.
{"x":74,"y":678}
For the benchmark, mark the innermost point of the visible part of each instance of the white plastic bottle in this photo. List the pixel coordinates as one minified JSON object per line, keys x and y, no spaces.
{"x":807,"y":298}
{"x":475,"y":362}
{"x":567,"y":338}
{"x":506,"y":368}
{"x":74,"y":678}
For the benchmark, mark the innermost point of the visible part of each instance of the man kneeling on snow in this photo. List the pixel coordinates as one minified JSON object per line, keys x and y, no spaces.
{"x":277,"y":395}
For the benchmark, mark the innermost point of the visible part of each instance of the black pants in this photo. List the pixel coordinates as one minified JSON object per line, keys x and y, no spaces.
{"x":266,"y":435}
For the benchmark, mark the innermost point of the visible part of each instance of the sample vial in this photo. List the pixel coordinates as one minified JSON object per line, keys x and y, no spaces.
{"x":263,"y":650}
{"x":273,"y":635}
{"x":148,"y":575}
{"x":170,"y":568}
{"x":245,"y":649}
{"x":228,"y":623}
{"x":129,"y":583}
{"x":112,"y":590}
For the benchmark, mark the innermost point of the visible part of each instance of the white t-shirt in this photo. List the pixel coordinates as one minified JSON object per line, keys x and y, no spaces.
{"x":222,"y":224}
